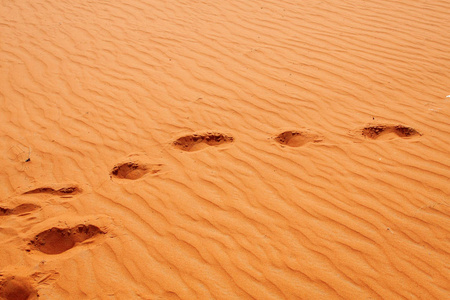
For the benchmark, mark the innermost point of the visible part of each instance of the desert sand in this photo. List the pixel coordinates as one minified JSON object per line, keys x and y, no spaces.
{"x":225,"y":149}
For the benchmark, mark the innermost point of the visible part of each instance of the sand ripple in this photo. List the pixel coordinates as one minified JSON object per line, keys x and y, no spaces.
{"x":224,"y":149}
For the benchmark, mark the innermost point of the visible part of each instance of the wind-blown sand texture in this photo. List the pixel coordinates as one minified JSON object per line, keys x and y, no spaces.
{"x":224,"y":149}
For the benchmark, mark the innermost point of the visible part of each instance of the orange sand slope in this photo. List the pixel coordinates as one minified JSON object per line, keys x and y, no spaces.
{"x":225,"y":149}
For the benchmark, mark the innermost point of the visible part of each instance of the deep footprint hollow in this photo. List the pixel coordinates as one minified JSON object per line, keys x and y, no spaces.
{"x":58,"y":240}
{"x":381,"y":131}
{"x":195,"y":142}
{"x":13,"y":288}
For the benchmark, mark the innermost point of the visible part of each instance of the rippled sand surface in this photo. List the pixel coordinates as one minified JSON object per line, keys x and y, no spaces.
{"x":224,"y":149}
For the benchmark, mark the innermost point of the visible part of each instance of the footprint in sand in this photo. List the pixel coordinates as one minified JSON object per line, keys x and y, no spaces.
{"x":199,"y":141}
{"x":58,"y":240}
{"x":296,"y":138}
{"x":134,"y":170}
{"x":19,"y":210}
{"x":66,"y":190}
{"x":17,"y":288}
{"x":388,"y":132}
{"x":25,"y":288}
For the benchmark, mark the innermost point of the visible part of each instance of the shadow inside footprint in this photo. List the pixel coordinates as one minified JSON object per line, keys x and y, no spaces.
{"x":197,"y":142}
{"x":68,"y":190}
{"x":133,"y":170}
{"x":388,"y":132}
{"x":15,"y":288}
{"x":297,"y":138}
{"x":57,"y":240}
{"x":21,"y":209}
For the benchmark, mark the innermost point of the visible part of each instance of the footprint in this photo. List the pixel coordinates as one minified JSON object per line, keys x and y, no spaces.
{"x":67,"y":190}
{"x":57,"y":240}
{"x":18,"y":210}
{"x":388,"y":132}
{"x":197,"y":142}
{"x":297,"y":138}
{"x":134,"y":170}
{"x":17,"y":288}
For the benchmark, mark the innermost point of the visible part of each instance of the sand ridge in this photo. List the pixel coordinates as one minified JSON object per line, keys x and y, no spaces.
{"x":224,"y":150}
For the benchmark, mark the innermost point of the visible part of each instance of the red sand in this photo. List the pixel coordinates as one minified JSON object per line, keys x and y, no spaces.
{"x":224,"y":149}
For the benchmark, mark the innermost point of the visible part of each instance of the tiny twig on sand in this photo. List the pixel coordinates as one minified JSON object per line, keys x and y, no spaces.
{"x":29,"y":155}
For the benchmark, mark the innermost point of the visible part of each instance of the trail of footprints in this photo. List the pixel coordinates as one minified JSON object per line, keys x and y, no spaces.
{"x":51,"y":241}
{"x":292,"y":138}
{"x":57,"y":240}
{"x":54,"y":240}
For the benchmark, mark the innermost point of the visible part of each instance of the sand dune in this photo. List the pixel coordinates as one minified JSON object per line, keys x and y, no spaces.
{"x":224,"y":150}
